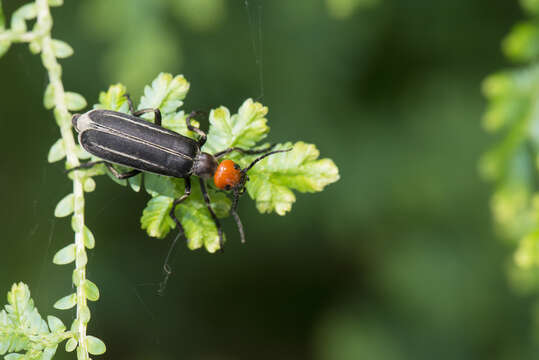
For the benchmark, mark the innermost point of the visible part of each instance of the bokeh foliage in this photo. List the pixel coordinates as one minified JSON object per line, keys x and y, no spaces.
{"x":513,"y":114}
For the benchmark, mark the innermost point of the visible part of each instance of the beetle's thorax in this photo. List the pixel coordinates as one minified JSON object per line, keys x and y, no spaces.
{"x":205,"y":165}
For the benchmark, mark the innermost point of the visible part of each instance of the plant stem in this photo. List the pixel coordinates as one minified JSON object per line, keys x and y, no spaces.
{"x":25,"y":37}
{"x":63,"y":119}
{"x":45,"y":340}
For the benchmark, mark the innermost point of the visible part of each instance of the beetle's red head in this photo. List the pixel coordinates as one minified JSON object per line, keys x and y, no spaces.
{"x":228,"y":175}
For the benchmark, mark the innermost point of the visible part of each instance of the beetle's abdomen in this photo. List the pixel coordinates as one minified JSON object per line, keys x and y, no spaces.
{"x":129,"y":141}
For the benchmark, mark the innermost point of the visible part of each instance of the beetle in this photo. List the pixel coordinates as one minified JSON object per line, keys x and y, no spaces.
{"x":124,"y":139}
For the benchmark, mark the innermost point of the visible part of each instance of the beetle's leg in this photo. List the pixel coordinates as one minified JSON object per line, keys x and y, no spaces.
{"x":243,"y":151}
{"x":86,"y":165}
{"x":234,"y":212}
{"x":212,"y":213}
{"x":109,"y":166}
{"x":130,"y":103}
{"x":156,"y":117}
{"x":166,"y":266}
{"x":200,"y":133}
{"x":120,"y":175}
{"x":176,"y":202}
{"x":157,"y":113}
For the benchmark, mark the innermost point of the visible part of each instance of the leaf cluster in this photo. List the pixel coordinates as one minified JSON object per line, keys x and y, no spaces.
{"x":22,"y":329}
{"x":272,"y":179}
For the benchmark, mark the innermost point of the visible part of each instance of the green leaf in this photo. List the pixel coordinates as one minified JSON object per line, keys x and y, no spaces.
{"x":163,"y":185}
{"x":67,"y":302}
{"x":243,"y":129}
{"x":48,"y":98}
{"x":199,"y":226}
{"x":273,"y":179}
{"x":19,"y":17}
{"x":62,"y":49}
{"x":71,"y":344}
{"x":113,"y":99}
{"x":176,"y":123}
{"x":35,"y":46}
{"x":74,"y":101}
{"x":83,"y":154}
{"x":13,"y":356}
{"x":89,"y":240}
{"x":57,"y":151}
{"x":21,"y":308}
{"x":522,"y":44}
{"x":53,"y":3}
{"x":65,"y":255}
{"x":89,"y":184}
{"x":4,"y":47}
{"x":55,"y":324}
{"x":134,"y":182}
{"x":95,"y":345}
{"x":65,"y":206}
{"x":85,"y":314}
{"x":92,"y":292}
{"x":220,"y":202}
{"x":155,"y":217}
{"x":75,"y":325}
{"x":165,"y":93}
{"x":48,"y":353}
{"x":4,"y":345}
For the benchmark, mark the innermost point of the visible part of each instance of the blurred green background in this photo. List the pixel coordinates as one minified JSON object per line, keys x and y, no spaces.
{"x":397,"y":260}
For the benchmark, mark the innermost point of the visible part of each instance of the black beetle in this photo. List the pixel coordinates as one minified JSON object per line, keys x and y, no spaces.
{"x":128,"y":140}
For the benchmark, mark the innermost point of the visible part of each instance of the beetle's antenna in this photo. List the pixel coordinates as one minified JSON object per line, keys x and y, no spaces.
{"x":244,"y":151}
{"x":262,"y":157}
